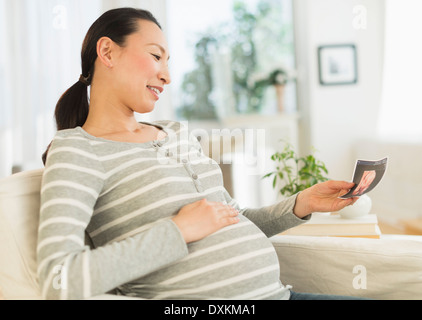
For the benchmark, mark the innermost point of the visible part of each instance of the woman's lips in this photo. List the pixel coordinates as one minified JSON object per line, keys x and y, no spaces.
{"x":156,"y":91}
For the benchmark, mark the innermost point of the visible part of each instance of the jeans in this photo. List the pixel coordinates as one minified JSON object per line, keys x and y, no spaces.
{"x":314,"y":296}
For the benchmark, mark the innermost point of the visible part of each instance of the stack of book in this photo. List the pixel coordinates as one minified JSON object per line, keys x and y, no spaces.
{"x":333,"y":225}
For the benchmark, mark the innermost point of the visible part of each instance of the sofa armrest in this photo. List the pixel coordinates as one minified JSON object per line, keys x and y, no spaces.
{"x":386,"y":268}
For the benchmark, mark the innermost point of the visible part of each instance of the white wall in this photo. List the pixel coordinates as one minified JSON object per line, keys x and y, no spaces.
{"x":334,"y":118}
{"x":341,"y":121}
{"x":397,"y":197}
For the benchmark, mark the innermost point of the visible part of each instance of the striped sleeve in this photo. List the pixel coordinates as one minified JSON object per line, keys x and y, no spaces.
{"x":67,"y":268}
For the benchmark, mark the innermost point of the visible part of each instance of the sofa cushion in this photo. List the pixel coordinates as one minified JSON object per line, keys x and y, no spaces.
{"x":386,"y":268}
{"x":19,"y":215}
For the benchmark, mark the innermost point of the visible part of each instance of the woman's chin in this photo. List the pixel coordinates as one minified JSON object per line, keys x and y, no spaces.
{"x":144,"y":109}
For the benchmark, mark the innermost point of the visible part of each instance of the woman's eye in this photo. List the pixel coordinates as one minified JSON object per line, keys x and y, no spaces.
{"x":156,"y":56}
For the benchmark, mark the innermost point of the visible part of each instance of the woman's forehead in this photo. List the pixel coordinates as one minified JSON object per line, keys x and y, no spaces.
{"x":149,"y":33}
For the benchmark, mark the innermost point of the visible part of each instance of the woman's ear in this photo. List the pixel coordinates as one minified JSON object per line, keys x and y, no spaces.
{"x":104,"y":50}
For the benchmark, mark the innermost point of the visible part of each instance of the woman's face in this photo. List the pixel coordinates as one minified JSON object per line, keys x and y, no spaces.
{"x":141,"y":68}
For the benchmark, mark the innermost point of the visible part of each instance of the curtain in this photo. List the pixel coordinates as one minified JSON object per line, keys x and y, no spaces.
{"x":40,"y":49}
{"x":401,"y":108}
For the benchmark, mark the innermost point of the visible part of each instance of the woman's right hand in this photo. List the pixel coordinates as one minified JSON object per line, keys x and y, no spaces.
{"x":202,"y":218}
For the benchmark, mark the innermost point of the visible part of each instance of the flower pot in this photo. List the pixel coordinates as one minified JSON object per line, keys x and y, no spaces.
{"x":280,"y":89}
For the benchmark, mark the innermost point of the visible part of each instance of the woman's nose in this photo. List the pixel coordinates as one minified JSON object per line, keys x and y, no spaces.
{"x":165,"y":75}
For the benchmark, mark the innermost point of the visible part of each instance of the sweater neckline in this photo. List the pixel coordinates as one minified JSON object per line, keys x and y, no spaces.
{"x":141,"y":144}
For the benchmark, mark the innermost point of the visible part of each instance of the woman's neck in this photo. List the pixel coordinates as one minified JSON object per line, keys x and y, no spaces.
{"x":108,"y":122}
{"x":109,"y":116}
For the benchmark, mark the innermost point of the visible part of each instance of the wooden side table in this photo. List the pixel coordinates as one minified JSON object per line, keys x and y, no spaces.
{"x":412,"y":226}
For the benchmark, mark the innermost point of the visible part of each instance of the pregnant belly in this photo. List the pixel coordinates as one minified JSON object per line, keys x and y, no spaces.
{"x":237,"y":262}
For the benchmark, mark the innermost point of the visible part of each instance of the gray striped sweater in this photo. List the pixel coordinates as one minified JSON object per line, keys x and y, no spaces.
{"x":122,"y":196}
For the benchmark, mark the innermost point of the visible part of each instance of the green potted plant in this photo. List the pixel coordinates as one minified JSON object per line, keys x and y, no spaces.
{"x":293,"y":173}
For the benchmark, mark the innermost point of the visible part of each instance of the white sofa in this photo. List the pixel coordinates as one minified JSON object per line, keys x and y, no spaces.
{"x":386,"y":268}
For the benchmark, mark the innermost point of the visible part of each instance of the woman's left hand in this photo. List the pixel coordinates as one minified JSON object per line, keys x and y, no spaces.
{"x":323,"y":197}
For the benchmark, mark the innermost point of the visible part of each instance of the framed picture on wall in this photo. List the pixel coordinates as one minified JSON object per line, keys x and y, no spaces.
{"x":337,"y":64}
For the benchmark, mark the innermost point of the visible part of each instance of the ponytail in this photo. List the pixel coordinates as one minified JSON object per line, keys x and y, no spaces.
{"x":73,"y":107}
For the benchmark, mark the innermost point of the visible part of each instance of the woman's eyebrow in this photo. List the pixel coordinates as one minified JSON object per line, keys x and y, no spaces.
{"x":163,"y":51}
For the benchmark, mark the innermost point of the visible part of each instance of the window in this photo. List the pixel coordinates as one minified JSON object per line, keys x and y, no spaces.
{"x":226,"y":54}
{"x":39,"y":60}
{"x":401,"y":108}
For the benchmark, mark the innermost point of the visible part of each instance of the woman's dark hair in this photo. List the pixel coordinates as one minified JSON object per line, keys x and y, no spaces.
{"x":117,"y":24}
